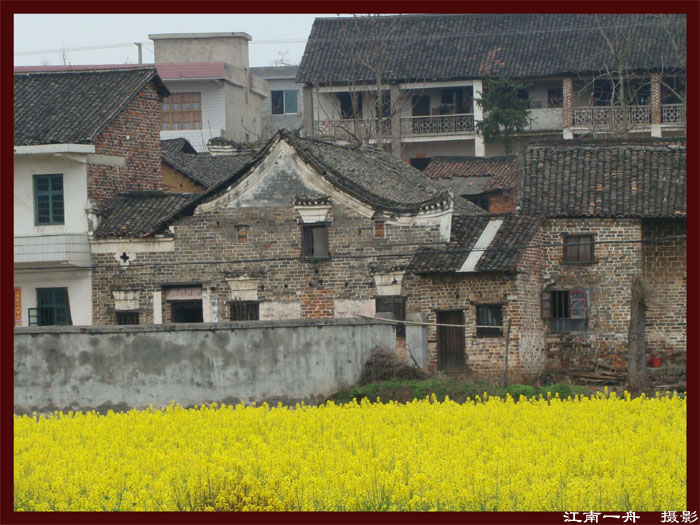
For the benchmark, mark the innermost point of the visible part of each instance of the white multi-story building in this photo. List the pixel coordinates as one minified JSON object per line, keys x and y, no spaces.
{"x":80,"y":138}
{"x":432,"y":69}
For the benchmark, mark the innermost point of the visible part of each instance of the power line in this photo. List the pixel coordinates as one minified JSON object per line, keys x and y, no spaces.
{"x":346,"y":256}
{"x":71,"y":49}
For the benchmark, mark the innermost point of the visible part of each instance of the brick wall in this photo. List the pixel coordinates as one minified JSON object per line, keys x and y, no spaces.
{"x":607,"y":281}
{"x":503,"y":202}
{"x":205,"y":245}
{"x":430,"y":293}
{"x":666,"y":287}
{"x":134,"y":134}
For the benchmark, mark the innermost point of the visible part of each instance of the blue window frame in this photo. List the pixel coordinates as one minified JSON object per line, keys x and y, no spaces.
{"x":48,"y":199}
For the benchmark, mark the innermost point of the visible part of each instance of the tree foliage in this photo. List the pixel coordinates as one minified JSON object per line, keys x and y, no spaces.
{"x":505,"y":112}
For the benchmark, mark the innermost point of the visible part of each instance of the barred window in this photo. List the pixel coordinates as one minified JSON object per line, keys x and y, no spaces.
{"x":52,"y":308}
{"x":245,"y":310}
{"x":566,"y":310}
{"x":127,"y":318}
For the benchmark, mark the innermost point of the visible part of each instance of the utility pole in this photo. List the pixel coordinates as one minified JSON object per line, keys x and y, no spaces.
{"x":138,"y":44}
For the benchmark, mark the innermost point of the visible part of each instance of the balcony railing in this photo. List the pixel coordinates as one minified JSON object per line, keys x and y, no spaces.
{"x":457,"y":124}
{"x":607,"y":118}
{"x":673,"y":114}
{"x":69,"y":248}
{"x":347,"y":129}
{"x":612,"y":117}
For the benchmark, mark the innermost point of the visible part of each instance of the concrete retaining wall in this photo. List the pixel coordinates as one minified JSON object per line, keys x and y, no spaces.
{"x":121,"y":367}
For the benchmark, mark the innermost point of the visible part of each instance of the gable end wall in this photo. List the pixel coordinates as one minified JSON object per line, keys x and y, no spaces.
{"x":134,"y":134}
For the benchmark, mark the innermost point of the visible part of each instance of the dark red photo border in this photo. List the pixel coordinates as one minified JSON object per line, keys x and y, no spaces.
{"x":9,"y":8}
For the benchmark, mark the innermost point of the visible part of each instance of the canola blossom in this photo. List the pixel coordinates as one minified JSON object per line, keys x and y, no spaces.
{"x":606,"y":452}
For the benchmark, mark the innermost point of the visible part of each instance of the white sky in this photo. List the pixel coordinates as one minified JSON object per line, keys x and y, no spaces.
{"x":37,"y":32}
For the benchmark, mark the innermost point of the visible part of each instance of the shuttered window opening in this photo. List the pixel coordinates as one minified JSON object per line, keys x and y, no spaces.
{"x":566,"y":310}
{"x":314,"y":241}
{"x":578,"y":249}
{"x":127,"y":317}
{"x":187,"y":311}
{"x":489,"y":320}
{"x":396,"y":305}
{"x":245,"y":310}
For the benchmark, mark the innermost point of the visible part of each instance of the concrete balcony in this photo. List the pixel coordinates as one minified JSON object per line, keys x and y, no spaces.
{"x":71,"y":249}
{"x":546,"y":119}
{"x":607,"y":119}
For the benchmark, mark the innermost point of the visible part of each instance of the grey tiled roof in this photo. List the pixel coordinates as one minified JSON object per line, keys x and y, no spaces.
{"x":368,"y":174}
{"x":204,"y":168}
{"x":604,"y":181}
{"x":74,"y":106}
{"x":450,"y":167}
{"x":463,"y":206}
{"x":178,"y":145}
{"x":447,"y":47}
{"x":502,"y":255}
{"x":371,"y":175}
{"x":474,"y":175}
{"x":140,"y":213}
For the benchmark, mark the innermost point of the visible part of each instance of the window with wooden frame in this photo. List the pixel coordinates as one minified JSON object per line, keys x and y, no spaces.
{"x":578,"y":248}
{"x":396,"y":305}
{"x":48,"y":199}
{"x":314,"y":241}
{"x":125,"y":317}
{"x":489,"y":320}
{"x":244,"y":310}
{"x":566,"y":310}
{"x":182,"y":111}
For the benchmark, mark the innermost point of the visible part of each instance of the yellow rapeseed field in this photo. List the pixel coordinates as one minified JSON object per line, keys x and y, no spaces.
{"x":604,"y":453}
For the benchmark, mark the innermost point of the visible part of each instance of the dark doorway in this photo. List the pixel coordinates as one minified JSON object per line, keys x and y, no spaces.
{"x":187,"y":312}
{"x":450,"y":341}
{"x":421,"y":106}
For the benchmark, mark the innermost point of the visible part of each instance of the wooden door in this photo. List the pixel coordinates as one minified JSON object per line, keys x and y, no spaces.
{"x":450,"y":341}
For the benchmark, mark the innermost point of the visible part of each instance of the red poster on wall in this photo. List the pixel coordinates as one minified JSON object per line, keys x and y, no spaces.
{"x":18,"y":306}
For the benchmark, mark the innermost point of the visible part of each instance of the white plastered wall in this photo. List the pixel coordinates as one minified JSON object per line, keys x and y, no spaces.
{"x":78,"y":282}
{"x":74,"y":171}
{"x":213,"y":111}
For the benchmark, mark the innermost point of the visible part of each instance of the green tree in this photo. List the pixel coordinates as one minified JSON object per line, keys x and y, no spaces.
{"x":505,"y":111}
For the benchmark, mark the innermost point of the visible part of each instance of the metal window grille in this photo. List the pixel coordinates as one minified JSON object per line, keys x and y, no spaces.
{"x":52,"y":308}
{"x":245,"y":311}
{"x":127,"y":317}
{"x":569,"y":311}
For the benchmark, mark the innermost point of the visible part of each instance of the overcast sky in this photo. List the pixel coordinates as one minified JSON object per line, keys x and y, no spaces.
{"x":288,"y":33}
